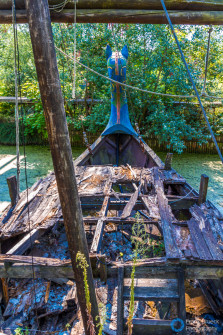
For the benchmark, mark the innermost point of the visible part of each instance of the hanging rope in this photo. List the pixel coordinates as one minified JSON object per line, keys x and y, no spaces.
{"x":133,"y":87}
{"x":16,"y":98}
{"x":206,"y":62}
{"x":18,"y":90}
{"x":75,"y":47}
{"x":191,"y":79}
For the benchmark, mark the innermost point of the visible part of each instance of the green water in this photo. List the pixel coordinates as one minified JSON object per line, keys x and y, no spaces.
{"x":190,"y":166}
{"x":39,"y":164}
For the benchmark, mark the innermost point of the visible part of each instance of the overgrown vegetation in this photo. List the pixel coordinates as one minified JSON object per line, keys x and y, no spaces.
{"x":101,"y":319}
{"x":154,"y":64}
{"x":144,"y":246}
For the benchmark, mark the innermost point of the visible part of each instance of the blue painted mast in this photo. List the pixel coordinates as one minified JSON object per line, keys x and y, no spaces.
{"x":119,"y":122}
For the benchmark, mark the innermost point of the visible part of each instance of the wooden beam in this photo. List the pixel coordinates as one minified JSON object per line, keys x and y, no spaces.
{"x":20,"y":100}
{"x":123,"y":16}
{"x":53,"y":104}
{"x":131,"y":4}
{"x":53,"y":268}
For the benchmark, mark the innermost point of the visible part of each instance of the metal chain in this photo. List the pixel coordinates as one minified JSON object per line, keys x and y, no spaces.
{"x":59,"y":7}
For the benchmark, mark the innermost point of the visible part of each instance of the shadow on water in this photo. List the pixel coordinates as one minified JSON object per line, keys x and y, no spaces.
{"x":190,"y":166}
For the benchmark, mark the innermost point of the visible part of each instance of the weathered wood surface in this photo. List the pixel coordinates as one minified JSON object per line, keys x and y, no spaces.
{"x":21,"y":267}
{"x":142,"y":16}
{"x":96,"y":244}
{"x":12,"y":185}
{"x":133,"y":4}
{"x":152,"y":289}
{"x":166,"y":219}
{"x":203,"y":189}
{"x":21,"y":100}
{"x":53,"y":104}
{"x":120,"y":302}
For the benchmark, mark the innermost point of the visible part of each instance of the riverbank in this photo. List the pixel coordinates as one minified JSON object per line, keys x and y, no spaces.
{"x":189,"y":165}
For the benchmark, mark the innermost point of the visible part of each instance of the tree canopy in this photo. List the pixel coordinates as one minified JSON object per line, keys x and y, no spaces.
{"x":154,"y":64}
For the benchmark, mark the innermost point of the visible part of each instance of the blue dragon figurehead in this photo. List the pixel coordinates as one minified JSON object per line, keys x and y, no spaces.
{"x":119,"y":121}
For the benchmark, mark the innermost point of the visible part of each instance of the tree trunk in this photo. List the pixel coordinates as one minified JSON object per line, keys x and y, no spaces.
{"x":52,"y":99}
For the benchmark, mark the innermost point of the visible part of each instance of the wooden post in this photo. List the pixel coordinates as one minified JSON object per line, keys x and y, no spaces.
{"x":12,"y":185}
{"x":120,"y":301}
{"x":181,"y":303}
{"x":168,"y":161}
{"x":49,"y":82}
{"x":203,"y":189}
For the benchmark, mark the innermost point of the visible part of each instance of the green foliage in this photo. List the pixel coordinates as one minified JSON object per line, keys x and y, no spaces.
{"x":154,"y":64}
{"x":21,"y":331}
{"x":102,"y":318}
{"x":82,"y":263}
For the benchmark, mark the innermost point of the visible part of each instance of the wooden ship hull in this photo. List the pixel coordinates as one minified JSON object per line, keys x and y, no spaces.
{"x":118,"y":176}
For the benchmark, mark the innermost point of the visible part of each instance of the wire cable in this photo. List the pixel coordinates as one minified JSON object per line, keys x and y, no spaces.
{"x":24,"y":153}
{"x":133,"y":87}
{"x":191,"y":79}
{"x":16,"y":99}
{"x":206,"y":62}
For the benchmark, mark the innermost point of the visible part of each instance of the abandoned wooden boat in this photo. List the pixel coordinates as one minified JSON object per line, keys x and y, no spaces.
{"x":118,"y":176}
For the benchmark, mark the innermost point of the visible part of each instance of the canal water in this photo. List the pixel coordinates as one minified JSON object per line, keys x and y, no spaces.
{"x":39,"y":164}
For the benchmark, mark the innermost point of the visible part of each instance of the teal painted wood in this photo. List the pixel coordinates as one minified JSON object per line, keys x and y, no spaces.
{"x":119,"y":121}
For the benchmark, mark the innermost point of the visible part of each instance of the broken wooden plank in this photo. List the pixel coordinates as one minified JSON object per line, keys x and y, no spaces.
{"x":26,"y":242}
{"x":198,"y":240}
{"x":130,"y":205}
{"x":96,"y":244}
{"x":165,"y":213}
{"x":204,"y":287}
{"x":206,"y":231}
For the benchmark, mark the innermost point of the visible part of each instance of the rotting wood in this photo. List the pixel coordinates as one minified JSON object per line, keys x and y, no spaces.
{"x":181,"y":303}
{"x":130,"y":205}
{"x":168,"y":161}
{"x":155,"y":268}
{"x":25,"y":243}
{"x":198,"y":240}
{"x":103,"y":269}
{"x":5,"y":292}
{"x":170,"y":246}
{"x":204,"y":287}
{"x":12,"y":185}
{"x":53,"y":104}
{"x":120,"y":301}
{"x":96,"y":244}
{"x":203,"y":189}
